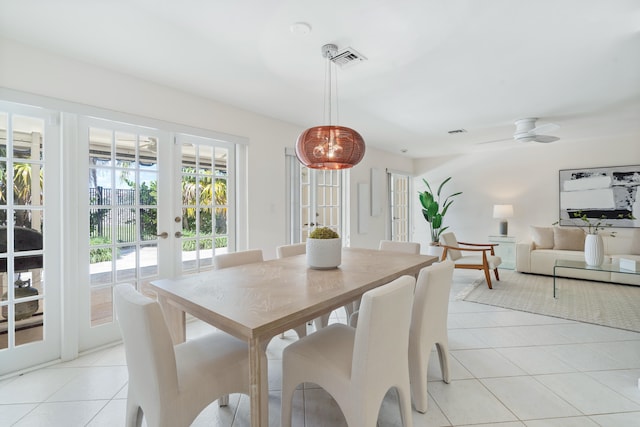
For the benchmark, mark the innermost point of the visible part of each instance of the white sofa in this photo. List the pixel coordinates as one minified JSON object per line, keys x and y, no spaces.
{"x":548,"y":244}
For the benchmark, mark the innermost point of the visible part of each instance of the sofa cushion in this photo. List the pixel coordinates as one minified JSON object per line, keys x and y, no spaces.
{"x":542,"y":237}
{"x":635,"y":244}
{"x":570,"y":239}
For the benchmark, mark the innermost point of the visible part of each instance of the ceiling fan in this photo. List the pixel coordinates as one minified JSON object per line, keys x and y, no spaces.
{"x":527,"y":131}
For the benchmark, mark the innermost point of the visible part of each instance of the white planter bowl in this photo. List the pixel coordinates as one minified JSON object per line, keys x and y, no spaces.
{"x":435,"y":250}
{"x":324,"y":254}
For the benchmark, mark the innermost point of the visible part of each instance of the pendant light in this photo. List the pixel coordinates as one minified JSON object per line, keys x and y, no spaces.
{"x":329,"y":146}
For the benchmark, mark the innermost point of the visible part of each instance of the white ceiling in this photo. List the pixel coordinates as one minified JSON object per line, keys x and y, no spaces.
{"x":432,"y":65}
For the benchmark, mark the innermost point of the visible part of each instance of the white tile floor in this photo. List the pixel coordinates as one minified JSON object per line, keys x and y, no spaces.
{"x":509,"y":369}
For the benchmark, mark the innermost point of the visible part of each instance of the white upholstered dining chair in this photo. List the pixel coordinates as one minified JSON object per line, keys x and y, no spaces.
{"x":404,"y":247}
{"x":233,"y":259}
{"x":474,"y":256}
{"x":384,"y":245}
{"x":357,"y":366}
{"x":294,"y":249}
{"x":169,"y":386}
{"x":429,"y":327}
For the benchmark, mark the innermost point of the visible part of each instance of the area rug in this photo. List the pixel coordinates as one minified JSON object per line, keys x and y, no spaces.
{"x":606,"y":304}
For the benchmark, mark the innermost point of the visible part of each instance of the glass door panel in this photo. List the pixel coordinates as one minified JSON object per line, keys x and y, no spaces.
{"x":319,"y":194}
{"x":400,"y":208}
{"x":123,"y":213}
{"x":207,"y":187}
{"x":29,"y":328}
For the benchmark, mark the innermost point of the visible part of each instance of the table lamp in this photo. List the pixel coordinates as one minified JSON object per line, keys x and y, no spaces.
{"x":503,"y":212}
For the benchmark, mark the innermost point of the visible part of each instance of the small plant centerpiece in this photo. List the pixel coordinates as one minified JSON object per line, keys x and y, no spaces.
{"x":324,"y":249}
{"x":434,"y":210}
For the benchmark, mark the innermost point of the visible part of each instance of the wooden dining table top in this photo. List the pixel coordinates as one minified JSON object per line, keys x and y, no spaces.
{"x":269,"y":297}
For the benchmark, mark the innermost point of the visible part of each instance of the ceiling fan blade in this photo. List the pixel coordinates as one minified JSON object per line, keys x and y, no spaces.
{"x":545,"y":138}
{"x":493,"y":141}
{"x":545,"y":128}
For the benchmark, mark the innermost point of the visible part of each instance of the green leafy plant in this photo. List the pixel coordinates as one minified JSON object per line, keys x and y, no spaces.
{"x":323,"y":233}
{"x":434,"y":210}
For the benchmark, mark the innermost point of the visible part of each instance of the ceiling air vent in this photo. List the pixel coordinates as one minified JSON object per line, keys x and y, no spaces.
{"x":348,"y":57}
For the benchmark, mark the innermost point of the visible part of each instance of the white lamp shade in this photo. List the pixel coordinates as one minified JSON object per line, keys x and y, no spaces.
{"x":502,"y":211}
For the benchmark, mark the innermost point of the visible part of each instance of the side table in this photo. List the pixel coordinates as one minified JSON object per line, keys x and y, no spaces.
{"x":506,"y":250}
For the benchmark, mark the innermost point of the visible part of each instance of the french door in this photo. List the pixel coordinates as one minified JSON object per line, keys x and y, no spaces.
{"x":157,"y":204}
{"x":126,"y":218}
{"x":89,"y":203}
{"x":207,"y":192}
{"x":30,"y":235}
{"x":316,"y":198}
{"x":399,"y":206}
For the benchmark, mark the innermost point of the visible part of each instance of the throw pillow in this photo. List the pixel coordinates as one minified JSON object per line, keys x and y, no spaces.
{"x":568,"y":239}
{"x":542,"y":237}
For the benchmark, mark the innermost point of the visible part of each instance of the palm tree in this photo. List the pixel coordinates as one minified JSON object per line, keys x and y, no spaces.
{"x":21,"y":191}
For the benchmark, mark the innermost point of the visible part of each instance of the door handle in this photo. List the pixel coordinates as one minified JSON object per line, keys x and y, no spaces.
{"x":163,"y":235}
{"x":178,"y":234}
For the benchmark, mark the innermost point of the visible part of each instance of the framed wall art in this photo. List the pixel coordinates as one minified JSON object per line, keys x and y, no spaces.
{"x":609,"y":193}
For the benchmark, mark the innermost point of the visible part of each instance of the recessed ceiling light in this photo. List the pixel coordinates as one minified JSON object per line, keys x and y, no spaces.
{"x":300,"y":28}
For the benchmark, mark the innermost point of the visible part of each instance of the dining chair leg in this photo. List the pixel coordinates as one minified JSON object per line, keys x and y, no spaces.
{"x":404,"y":398}
{"x":223,"y":400}
{"x":322,"y":321}
{"x":133,"y":414}
{"x":301,"y":330}
{"x":443,"y":356}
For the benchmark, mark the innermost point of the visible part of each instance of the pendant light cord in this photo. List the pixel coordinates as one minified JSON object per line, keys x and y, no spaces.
{"x":329,"y":88}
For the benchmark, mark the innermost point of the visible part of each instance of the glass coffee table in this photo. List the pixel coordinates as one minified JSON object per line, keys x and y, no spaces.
{"x":581,"y":265}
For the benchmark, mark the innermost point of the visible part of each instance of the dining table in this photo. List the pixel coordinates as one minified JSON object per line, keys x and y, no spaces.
{"x":255,"y":302}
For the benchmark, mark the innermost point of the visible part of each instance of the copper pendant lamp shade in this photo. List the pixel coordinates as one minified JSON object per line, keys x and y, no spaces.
{"x":330,"y":146}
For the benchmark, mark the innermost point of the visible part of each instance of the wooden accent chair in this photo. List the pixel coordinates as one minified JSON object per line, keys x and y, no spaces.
{"x":483,"y":256}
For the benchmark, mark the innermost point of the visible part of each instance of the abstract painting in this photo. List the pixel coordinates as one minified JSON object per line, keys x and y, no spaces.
{"x":606,"y":192}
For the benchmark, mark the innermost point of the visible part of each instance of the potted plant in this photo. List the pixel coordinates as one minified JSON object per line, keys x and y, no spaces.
{"x":593,"y":244}
{"x":324,"y":249}
{"x":434,"y":211}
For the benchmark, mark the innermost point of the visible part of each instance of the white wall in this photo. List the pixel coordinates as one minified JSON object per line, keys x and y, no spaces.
{"x":524,"y":175}
{"x":377,"y":226}
{"x":37,"y":72}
